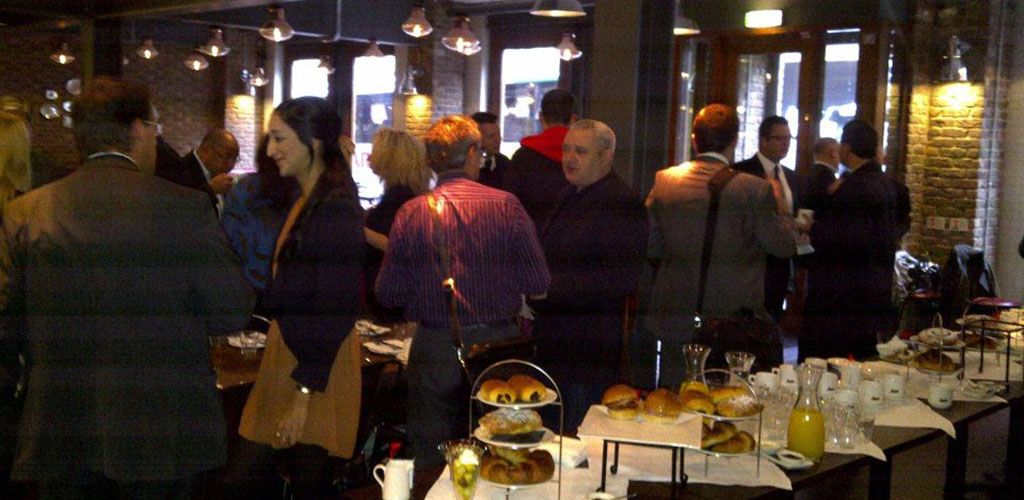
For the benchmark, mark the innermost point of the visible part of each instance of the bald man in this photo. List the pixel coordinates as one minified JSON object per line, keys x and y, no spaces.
{"x":206,"y":167}
{"x":822,"y":174}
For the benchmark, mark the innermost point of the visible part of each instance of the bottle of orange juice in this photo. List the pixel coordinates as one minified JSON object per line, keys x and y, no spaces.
{"x":806,"y":423}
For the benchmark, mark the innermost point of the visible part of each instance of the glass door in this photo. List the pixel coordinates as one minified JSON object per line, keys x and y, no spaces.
{"x":767,"y":85}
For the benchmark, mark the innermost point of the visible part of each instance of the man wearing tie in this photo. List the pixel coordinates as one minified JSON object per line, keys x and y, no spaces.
{"x":772,"y":147}
{"x":492,"y":170}
{"x":206,"y":167}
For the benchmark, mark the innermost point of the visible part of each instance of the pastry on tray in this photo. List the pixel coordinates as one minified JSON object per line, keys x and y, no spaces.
{"x":716,"y":432}
{"x":497,"y":391}
{"x":622,"y":402}
{"x":527,"y":389}
{"x":935,"y":361}
{"x":662,"y":406}
{"x":731,"y":401}
{"x":513,"y":426}
{"x":698,"y":401}
{"x":742,"y":442}
{"x":516,"y":467}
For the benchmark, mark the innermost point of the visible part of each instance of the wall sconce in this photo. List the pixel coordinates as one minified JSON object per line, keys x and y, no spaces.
{"x":558,"y":8}
{"x":460,"y":38}
{"x":567,"y":49}
{"x":409,"y":82}
{"x":684,"y":25}
{"x":275,"y":28}
{"x":417,"y":25}
{"x":196,"y":62}
{"x":954,"y":70}
{"x":147,"y":50}
{"x":763,"y":18}
{"x":373,"y":50}
{"x":63,"y":56}
{"x":215,"y":47}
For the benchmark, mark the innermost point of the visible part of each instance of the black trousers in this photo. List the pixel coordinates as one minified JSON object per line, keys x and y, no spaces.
{"x":257,"y":472}
{"x":95,"y":486}
{"x":438,"y":389}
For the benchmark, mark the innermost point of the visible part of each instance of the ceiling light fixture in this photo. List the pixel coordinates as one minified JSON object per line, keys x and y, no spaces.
{"x":558,"y":8}
{"x":275,"y":28}
{"x":215,"y":47}
{"x":326,"y":65}
{"x":417,"y":24}
{"x":196,"y":62}
{"x":147,"y":50}
{"x":63,"y":56}
{"x":763,"y":18}
{"x":460,"y":38}
{"x":258,"y":77}
{"x":567,"y":49}
{"x":373,"y":50}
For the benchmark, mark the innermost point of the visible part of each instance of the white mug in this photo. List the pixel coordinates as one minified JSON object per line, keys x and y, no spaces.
{"x":827,"y":385}
{"x":850,"y":375}
{"x":787,"y":376}
{"x":846,"y":397}
{"x":767,"y":380}
{"x":940,"y":395}
{"x":397,"y":481}
{"x":894,"y":386}
{"x":817,"y":363}
{"x":870,"y":393}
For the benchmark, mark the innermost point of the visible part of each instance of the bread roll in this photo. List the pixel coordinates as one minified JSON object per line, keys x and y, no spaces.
{"x":739,"y":406}
{"x":536,"y":467}
{"x":497,"y":391}
{"x":693,"y":385}
{"x":527,"y":388}
{"x":742,"y":442}
{"x":719,"y":433}
{"x":662,"y":406}
{"x":730,"y":391}
{"x":507,"y":421}
{"x":698,"y":402}
{"x":622,"y":402}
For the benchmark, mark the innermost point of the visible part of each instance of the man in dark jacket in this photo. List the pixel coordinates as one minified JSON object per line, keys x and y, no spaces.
{"x":535,"y":174}
{"x":495,"y":164}
{"x":822,"y":173}
{"x":112,"y":280}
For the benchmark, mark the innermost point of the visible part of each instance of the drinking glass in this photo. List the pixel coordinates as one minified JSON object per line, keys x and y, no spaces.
{"x":739,"y":364}
{"x":463,"y":458}
{"x":696,"y":355}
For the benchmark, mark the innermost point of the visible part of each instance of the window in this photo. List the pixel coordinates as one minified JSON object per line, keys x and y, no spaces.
{"x":769,"y":84}
{"x":308,"y":79}
{"x":373,"y":87}
{"x":526,"y":74}
{"x":839,"y":103}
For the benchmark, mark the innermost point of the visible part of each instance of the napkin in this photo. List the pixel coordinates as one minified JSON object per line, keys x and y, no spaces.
{"x":914,"y":414}
{"x":917,"y":387}
{"x":403,"y":356}
{"x":643,"y":463}
{"x":576,"y":484}
{"x":574,"y":451}
{"x":866,"y":448}
{"x":381,"y":348}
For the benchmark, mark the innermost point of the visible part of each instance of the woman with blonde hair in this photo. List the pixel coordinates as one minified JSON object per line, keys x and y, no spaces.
{"x":399,"y":160}
{"x":15,"y":168}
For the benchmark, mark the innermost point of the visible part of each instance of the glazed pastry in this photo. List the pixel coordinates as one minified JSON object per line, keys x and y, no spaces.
{"x":698,"y":402}
{"x":719,"y":433}
{"x":738,"y":406}
{"x":527,"y":389}
{"x":507,"y":421}
{"x":536,"y":467}
{"x":693,"y":385}
{"x":742,"y":442}
{"x":497,"y":391}
{"x":722,"y":393}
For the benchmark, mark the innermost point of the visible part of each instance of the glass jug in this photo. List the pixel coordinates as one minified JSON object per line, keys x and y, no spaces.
{"x":806,"y":422}
{"x":696,"y":355}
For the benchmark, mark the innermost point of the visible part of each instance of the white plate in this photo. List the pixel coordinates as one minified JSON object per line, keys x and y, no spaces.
{"x":549,"y":398}
{"x":368,"y":329}
{"x":512,"y":487}
{"x":382,"y":349}
{"x":258,"y":340}
{"x":949,"y":346}
{"x":806,"y":464}
{"x":482,"y":434}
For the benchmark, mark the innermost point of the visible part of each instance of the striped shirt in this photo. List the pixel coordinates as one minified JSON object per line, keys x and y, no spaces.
{"x":495,"y":255}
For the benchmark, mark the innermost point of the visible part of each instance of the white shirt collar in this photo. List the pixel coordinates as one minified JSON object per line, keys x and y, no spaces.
{"x":112,"y":153}
{"x":718,"y":156}
{"x":206,"y":173}
{"x":767,"y":164}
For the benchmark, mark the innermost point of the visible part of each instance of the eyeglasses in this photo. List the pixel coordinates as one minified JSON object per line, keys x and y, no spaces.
{"x":159,"y":127}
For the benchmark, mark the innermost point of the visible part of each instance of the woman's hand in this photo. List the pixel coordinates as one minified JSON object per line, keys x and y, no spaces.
{"x":294,"y":420}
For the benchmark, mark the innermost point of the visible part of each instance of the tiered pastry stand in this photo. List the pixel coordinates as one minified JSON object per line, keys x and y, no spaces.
{"x":518,"y":446}
{"x":990,"y":328}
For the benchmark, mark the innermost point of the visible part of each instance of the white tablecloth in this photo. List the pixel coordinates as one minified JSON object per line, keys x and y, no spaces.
{"x":576,"y":484}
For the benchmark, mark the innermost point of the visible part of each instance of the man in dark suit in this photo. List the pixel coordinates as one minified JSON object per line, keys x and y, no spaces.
{"x":113,"y":280}
{"x":206,"y":167}
{"x":495,"y":164}
{"x":772,"y":147}
{"x":849,"y":281}
{"x":821,"y":175}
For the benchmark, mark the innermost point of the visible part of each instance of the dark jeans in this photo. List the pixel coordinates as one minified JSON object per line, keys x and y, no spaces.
{"x":438,"y":390}
{"x":257,"y":472}
{"x":97,"y":487}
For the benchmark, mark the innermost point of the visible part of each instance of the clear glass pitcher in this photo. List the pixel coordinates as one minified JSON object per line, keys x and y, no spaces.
{"x":806,"y":422}
{"x":739,"y":365}
{"x":696,"y":355}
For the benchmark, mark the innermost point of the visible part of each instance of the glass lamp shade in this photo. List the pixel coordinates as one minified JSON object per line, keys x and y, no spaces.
{"x":276,"y":28}
{"x":373,"y":50}
{"x":558,"y":8}
{"x":259,"y":78}
{"x":461,"y":39}
{"x":567,"y":49}
{"x":63,"y":56}
{"x":417,"y":24}
{"x":196,"y":62}
{"x":409,"y":83}
{"x":147,"y":50}
{"x":215,"y":47}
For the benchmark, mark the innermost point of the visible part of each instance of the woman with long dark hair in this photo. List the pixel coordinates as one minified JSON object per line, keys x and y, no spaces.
{"x":306,"y":398}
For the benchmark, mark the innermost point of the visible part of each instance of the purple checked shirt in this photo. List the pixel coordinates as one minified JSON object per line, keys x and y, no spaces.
{"x":495,"y":255}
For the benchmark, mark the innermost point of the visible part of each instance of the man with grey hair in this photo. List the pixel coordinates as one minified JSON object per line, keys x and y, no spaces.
{"x":495,"y":257}
{"x":595,"y":243}
{"x":817,"y":179}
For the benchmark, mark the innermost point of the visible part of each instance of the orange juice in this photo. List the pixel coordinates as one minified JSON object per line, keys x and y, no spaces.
{"x":807,"y":433}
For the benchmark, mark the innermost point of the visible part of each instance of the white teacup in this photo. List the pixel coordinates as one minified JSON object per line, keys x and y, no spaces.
{"x":817,"y":363}
{"x":827,"y":385}
{"x":767,"y":380}
{"x":870,"y":393}
{"x":940,"y":395}
{"x":894,"y":386}
{"x":787,"y":377}
{"x":846,"y":397}
{"x":850,"y":375}
{"x":397,"y":481}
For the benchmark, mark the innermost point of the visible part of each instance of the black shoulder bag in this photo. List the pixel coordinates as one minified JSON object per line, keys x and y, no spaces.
{"x":743,"y":331}
{"x":474,"y":358}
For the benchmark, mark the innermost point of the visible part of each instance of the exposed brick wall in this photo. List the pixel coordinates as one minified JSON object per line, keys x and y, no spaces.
{"x":418,"y":111}
{"x":445,"y":69}
{"x":753,"y":84}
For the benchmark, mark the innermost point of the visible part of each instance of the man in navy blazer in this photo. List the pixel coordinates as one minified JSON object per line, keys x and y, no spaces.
{"x":772,"y":147}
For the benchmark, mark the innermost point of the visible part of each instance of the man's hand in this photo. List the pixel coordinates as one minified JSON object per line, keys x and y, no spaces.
{"x":289,"y":429}
{"x":222,"y":183}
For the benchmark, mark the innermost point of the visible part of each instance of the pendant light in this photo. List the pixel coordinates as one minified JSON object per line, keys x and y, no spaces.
{"x":196,"y":62}
{"x":409,"y":82}
{"x":326,"y":65}
{"x":215,"y":47}
{"x":567,"y":49}
{"x":460,"y":38}
{"x":147,"y":50}
{"x":558,"y":8}
{"x":276,"y":28}
{"x":685,"y":26}
{"x":417,"y":25}
{"x":373,"y":50}
{"x":63,"y":56}
{"x":259,"y":77}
